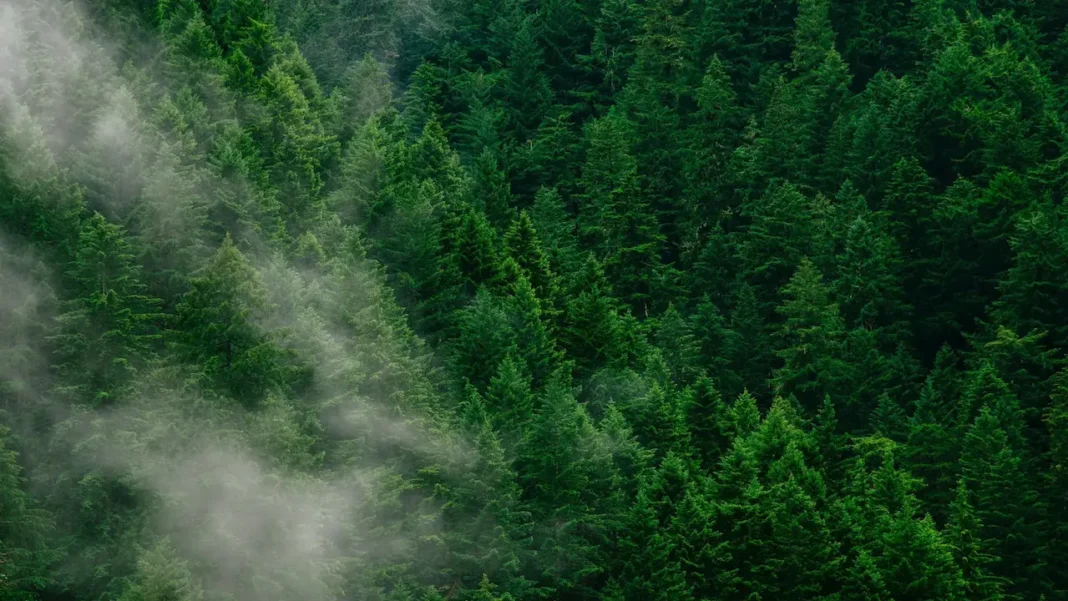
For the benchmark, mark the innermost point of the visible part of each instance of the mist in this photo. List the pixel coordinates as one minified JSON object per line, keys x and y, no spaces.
{"x":256,"y":502}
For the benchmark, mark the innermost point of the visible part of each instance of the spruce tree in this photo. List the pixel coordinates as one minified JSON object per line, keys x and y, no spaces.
{"x":109,"y":330}
{"x":810,"y":340}
{"x":216,"y":329}
{"x":971,"y":553}
{"x":26,"y":561}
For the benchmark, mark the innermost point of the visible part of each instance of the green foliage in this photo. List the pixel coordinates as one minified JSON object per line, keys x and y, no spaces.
{"x":527,"y":301}
{"x":25,"y":559}
{"x":217,"y":331}
{"x":811,"y":339}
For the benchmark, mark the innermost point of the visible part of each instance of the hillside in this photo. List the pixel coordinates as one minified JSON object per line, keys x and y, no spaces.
{"x":533,"y":300}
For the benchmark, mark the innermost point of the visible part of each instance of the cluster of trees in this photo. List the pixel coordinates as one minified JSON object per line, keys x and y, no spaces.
{"x":618,"y":300}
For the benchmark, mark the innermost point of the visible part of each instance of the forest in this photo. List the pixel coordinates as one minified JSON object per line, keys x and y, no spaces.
{"x":533,"y":300}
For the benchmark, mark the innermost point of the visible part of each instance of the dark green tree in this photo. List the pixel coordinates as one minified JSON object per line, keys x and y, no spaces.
{"x":110,"y":330}
{"x":810,"y":340}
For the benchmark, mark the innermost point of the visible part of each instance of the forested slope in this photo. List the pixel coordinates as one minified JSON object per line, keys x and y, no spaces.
{"x":616,"y":300}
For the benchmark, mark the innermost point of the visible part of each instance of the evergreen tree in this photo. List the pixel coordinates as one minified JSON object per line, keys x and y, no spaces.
{"x":615,"y":216}
{"x":963,"y":532}
{"x":1006,"y":502}
{"x":711,"y":424}
{"x":216,"y":329}
{"x":526,"y":89}
{"x":777,"y":238}
{"x":593,"y":331}
{"x":25,"y":558}
{"x":932,"y":446}
{"x":749,"y":347}
{"x":710,"y":139}
{"x":811,"y":339}
{"x":676,"y":341}
{"x":161,"y":576}
{"x":869,"y":286}
{"x":509,"y":399}
{"x":108,"y":332}
{"x":522,"y":244}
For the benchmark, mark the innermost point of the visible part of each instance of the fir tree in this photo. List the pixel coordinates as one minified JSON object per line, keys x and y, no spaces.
{"x":108,"y":332}
{"x":810,"y":339}
{"x":215,"y":328}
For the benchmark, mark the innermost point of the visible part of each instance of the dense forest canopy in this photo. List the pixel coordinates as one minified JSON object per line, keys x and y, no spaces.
{"x":533,"y":300}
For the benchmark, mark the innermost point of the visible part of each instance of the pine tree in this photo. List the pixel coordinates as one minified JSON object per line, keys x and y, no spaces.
{"x":613,"y":49}
{"x":811,"y":339}
{"x":777,"y":238}
{"x":813,"y":35}
{"x":216,"y":329}
{"x":556,"y":231}
{"x":880,"y":518}
{"x":485,"y":334}
{"x":660,"y":422}
{"x":749,"y":347}
{"x":709,"y":418}
{"x":526,"y":90}
{"x":593,"y":331}
{"x":162,"y":576}
{"x":107,"y":333}
{"x":656,"y":86}
{"x":1006,"y":503}
{"x":889,"y":419}
{"x":712,"y":338}
{"x":558,"y":472}
{"x":676,"y":341}
{"x":984,"y":388}
{"x":523,"y":244}
{"x":509,"y":400}
{"x":971,"y":553}
{"x":932,"y":446}
{"x":745,"y":416}
{"x":711,"y":137}
{"x":1030,"y":293}
{"x":26,"y":562}
{"x":653,"y":568}
{"x":869,"y":288}
{"x":615,"y":217}
{"x":1057,"y":476}
{"x":534,"y":339}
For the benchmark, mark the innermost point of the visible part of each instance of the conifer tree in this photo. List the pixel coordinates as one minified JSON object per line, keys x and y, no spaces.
{"x":593,"y":330}
{"x":526,"y":90}
{"x":711,"y":137}
{"x":653,"y":568}
{"x":709,"y":418}
{"x":745,"y":416}
{"x":868,"y":287}
{"x":749,"y":347}
{"x":216,"y":329}
{"x":523,"y":244}
{"x":107,"y":332}
{"x":971,"y":553}
{"x":932,"y":446}
{"x":777,"y":238}
{"x":25,"y":559}
{"x":678,"y":344}
{"x":810,"y":338}
{"x":1030,"y":293}
{"x":509,"y":400}
{"x":1006,"y":502}
{"x":556,"y":231}
{"x":162,"y":575}
{"x":615,"y":216}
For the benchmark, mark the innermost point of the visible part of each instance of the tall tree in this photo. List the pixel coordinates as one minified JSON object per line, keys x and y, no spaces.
{"x":810,"y":340}
{"x":109,"y":330}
